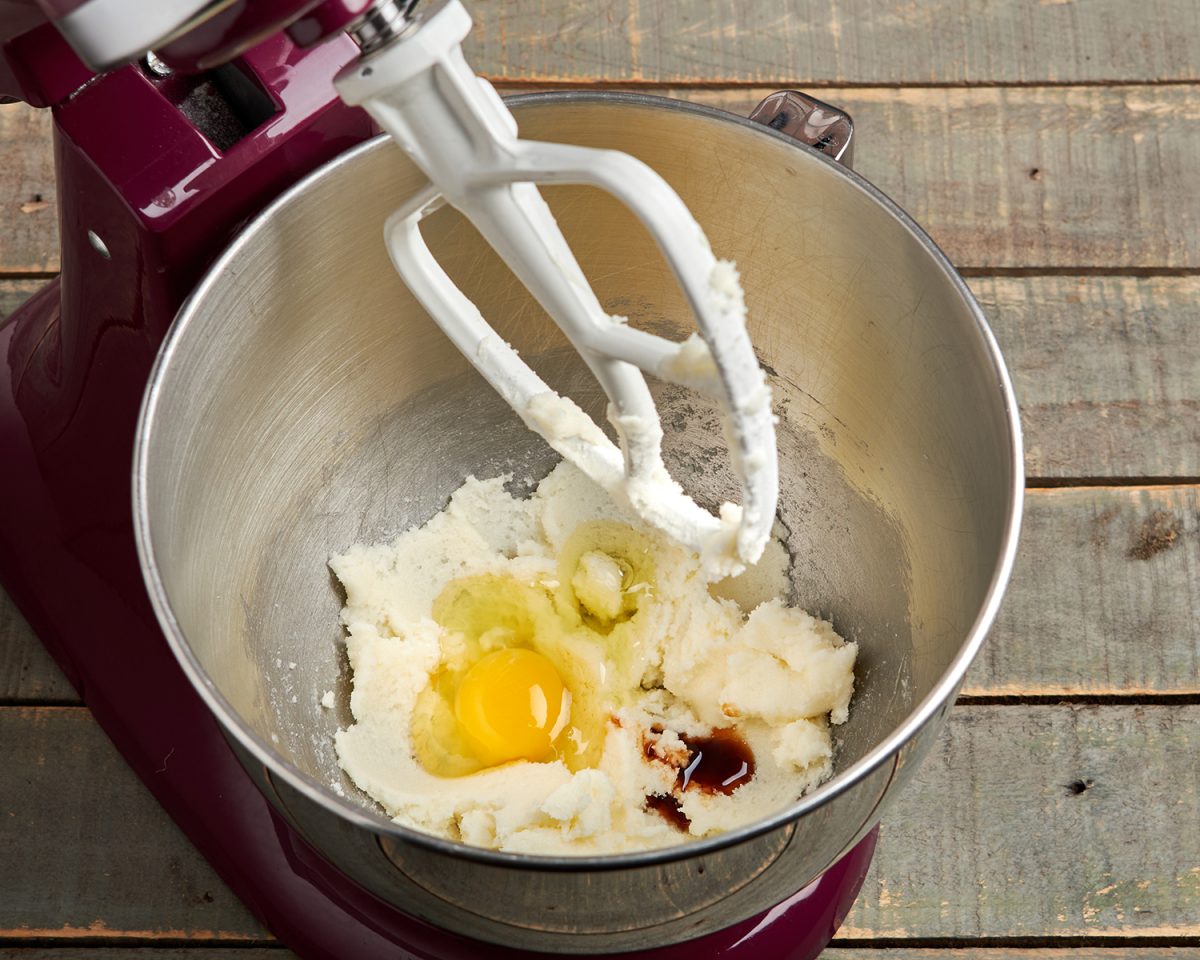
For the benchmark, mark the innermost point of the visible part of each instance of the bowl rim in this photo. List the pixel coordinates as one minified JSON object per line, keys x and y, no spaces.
{"x":936,"y":701}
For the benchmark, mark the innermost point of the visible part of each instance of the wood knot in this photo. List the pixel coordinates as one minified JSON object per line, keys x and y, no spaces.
{"x":1159,"y":532}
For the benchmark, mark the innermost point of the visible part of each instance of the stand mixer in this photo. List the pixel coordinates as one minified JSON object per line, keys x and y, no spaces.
{"x":159,"y":164}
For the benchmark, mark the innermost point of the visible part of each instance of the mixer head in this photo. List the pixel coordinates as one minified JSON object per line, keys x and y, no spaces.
{"x":413,"y":80}
{"x":194,"y":35}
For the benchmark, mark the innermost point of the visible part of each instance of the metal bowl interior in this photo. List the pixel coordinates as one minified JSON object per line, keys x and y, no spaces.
{"x":304,"y":402}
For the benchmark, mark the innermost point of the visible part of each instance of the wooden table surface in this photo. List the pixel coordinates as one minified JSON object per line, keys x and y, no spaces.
{"x":1052,"y":147}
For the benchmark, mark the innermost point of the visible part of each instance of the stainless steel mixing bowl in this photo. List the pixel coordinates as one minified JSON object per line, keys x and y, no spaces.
{"x":304,"y":402}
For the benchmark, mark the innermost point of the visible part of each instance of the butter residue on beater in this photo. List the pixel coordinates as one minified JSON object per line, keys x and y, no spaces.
{"x":656,"y":663}
{"x":634,"y":473}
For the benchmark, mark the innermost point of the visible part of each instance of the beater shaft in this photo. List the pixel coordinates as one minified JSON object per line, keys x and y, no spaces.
{"x":457,"y":130}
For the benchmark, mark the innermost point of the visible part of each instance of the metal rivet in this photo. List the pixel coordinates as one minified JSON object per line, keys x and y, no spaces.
{"x":156,"y":66}
{"x":99,"y":245}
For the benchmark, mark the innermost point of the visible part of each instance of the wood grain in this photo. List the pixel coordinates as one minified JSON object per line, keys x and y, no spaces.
{"x":1062,"y":821}
{"x":1106,"y":370}
{"x":1104,"y":600}
{"x":190,"y":953}
{"x":829,"y":42}
{"x":835,"y":42}
{"x":839,"y":952}
{"x":13,"y":293}
{"x":1038,"y":821}
{"x":1062,"y":177}
{"x":1085,"y":613}
{"x":28,"y":206}
{"x":833,"y":953}
{"x":1032,"y":177}
{"x":27,"y":671}
{"x":87,"y":851}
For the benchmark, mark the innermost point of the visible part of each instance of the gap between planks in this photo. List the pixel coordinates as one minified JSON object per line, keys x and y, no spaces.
{"x":1003,"y":178}
{"x":49,"y":948}
{"x":79,"y":943}
{"x":1118,"y":272}
{"x":1105,"y":370}
{"x":508,"y":86}
{"x":984,"y":948}
{"x":1036,"y":485}
{"x":1124,"y":699}
{"x":1098,"y":785}
{"x":1097,"y":568}
{"x":1015,"y":948}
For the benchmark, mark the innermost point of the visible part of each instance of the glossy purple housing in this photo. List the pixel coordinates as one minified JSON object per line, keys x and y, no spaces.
{"x":242,"y":23}
{"x":36,"y":64}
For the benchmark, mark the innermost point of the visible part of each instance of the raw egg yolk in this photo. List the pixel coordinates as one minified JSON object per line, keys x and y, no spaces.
{"x":511,"y":705}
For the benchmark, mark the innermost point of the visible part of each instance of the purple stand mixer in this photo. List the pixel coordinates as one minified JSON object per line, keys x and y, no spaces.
{"x":159,"y":164}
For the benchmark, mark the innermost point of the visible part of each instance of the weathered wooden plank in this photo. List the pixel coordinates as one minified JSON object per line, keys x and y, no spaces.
{"x":13,"y":293}
{"x":1000,"y":177}
{"x":27,"y":671}
{"x":832,"y":953}
{"x":1052,"y":821}
{"x":190,"y":953}
{"x":1032,"y":177}
{"x":1105,"y":600}
{"x":1035,"y":821}
{"x":1106,"y":370}
{"x":819,"y":42}
{"x":833,"y":42}
{"x":86,"y":850}
{"x":1105,"y":597}
{"x":1011,"y":953}
{"x":837,"y":952}
{"x":28,"y":208}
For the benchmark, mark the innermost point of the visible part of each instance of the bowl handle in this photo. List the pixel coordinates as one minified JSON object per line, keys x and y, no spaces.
{"x":810,"y":121}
